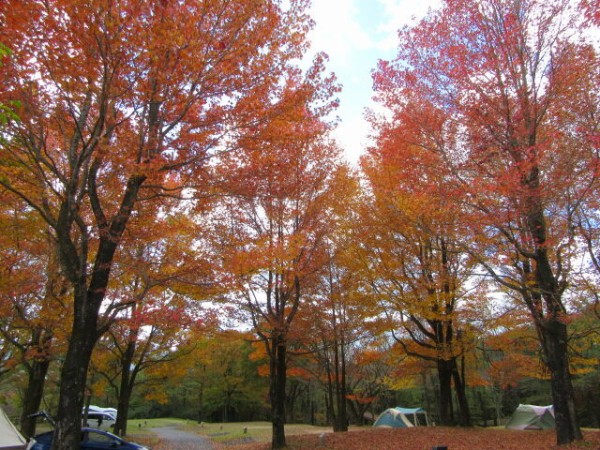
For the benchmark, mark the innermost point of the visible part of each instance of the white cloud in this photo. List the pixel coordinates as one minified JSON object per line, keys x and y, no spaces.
{"x":355,"y":34}
{"x":352,"y":136}
{"x":338,"y":31}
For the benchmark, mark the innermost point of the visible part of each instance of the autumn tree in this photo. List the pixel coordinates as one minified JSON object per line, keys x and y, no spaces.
{"x":29,"y":284}
{"x":150,"y":340}
{"x":369,"y":368}
{"x":229,"y":386}
{"x":121,"y":102}
{"x":507,"y":353}
{"x":333,"y":315}
{"x":340,"y":321}
{"x":275,"y":222}
{"x":412,"y":256}
{"x":33,"y":302}
{"x":160,"y":279}
{"x":506,"y":80}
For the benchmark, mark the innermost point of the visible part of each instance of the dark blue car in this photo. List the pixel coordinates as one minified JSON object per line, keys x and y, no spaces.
{"x":91,"y":438}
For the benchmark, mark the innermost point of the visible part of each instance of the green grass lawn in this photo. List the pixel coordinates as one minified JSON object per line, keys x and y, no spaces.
{"x":140,"y":430}
{"x":219,"y":432}
{"x":257,"y":431}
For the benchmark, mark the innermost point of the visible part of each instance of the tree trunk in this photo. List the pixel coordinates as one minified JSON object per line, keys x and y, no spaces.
{"x":290,"y":402}
{"x":125,"y":389}
{"x":73,"y":380}
{"x":554,"y":340}
{"x":445,"y":379}
{"x":461,"y":395}
{"x":341,"y":418}
{"x":89,"y":290}
{"x":37,"y":371}
{"x":550,"y":325}
{"x":329,"y":408}
{"x":277,"y":391}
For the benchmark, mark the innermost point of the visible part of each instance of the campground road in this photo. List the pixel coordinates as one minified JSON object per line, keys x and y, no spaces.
{"x":175,"y":439}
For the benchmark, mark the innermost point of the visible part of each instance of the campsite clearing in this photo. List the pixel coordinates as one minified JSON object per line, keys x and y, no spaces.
{"x":257,"y":436}
{"x":420,"y":438}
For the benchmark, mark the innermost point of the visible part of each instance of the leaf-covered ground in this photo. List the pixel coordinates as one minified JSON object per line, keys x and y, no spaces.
{"x":428,"y":438}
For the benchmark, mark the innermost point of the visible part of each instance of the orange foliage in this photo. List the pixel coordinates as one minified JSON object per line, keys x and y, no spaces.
{"x":128,"y":102}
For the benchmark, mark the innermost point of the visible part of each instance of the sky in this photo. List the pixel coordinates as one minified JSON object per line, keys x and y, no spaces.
{"x":356,"y":34}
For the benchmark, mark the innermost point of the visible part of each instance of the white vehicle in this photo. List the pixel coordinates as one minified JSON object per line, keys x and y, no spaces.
{"x":109,"y":411}
{"x":101,"y":418}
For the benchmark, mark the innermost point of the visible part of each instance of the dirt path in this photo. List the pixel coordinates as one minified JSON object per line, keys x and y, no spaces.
{"x":174,"y":439}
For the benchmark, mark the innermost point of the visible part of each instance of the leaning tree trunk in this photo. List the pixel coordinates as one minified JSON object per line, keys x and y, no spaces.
{"x":89,"y":290}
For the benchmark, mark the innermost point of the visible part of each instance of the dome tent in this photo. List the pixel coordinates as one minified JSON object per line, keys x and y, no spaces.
{"x":532,"y":417}
{"x":417,"y":416}
{"x":392,"y":418}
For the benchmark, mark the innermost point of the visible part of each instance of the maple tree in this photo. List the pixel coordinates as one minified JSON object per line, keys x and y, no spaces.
{"x":413,"y":257}
{"x":151,"y":341}
{"x":369,"y":369}
{"x":506,"y":355}
{"x":332,"y":320}
{"x":159,"y":281}
{"x":33,"y":302}
{"x":276,"y":217}
{"x":502,"y":86}
{"x":127,"y":101}
{"x":334,"y":328}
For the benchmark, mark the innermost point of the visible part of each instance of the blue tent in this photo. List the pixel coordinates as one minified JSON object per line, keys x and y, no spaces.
{"x":392,"y":418}
{"x":417,"y":416}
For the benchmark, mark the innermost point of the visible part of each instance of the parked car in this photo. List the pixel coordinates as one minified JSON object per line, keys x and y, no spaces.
{"x":91,"y":439}
{"x":100,"y":420}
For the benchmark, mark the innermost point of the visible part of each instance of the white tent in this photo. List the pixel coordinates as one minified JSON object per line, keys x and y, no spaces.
{"x":532,"y":417}
{"x":10,"y":438}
